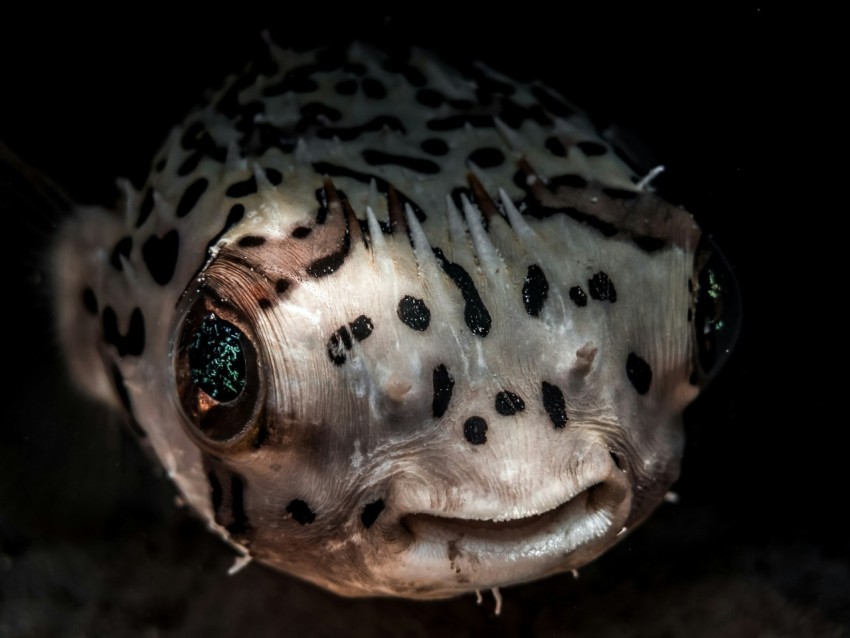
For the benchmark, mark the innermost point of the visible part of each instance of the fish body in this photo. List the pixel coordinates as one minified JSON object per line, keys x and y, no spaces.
{"x":393,"y":327}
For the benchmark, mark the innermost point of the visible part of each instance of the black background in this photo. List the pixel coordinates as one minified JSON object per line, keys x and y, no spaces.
{"x":731,"y":101}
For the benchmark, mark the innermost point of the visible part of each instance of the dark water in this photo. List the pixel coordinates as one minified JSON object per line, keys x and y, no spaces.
{"x":91,"y":544}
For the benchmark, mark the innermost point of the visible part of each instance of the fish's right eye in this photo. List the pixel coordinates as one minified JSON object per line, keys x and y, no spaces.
{"x":217,"y":373}
{"x":217,"y":359}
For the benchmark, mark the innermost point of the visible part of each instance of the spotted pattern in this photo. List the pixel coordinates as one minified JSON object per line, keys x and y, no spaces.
{"x":385,"y":157}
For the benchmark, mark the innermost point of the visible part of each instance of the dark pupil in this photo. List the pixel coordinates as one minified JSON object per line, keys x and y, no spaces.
{"x":216,"y":359}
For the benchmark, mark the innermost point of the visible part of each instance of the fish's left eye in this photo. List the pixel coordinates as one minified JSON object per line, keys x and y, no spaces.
{"x":217,"y":374}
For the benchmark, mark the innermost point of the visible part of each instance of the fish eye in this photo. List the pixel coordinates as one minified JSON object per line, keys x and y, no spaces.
{"x":217,"y":373}
{"x":217,"y":359}
{"x":719,"y":315}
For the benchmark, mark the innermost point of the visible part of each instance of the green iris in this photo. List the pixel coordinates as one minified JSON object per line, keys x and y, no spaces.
{"x":216,"y":360}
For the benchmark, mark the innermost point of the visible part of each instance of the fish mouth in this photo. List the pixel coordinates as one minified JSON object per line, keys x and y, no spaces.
{"x":505,"y":529}
{"x":449,"y":553}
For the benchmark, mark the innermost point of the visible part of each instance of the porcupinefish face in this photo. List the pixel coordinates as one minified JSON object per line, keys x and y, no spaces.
{"x":390,"y":327}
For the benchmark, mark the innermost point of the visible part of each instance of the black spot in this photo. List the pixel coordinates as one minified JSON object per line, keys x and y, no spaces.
{"x":578,"y":296}
{"x":371,"y":512}
{"x":592,"y":148}
{"x":602,"y":288}
{"x":551,"y":103}
{"x":373,"y":88}
{"x":252,"y":241}
{"x":243,"y":188}
{"x":639,"y":373}
{"x":160,"y":165}
{"x":487,"y":157}
{"x":121,"y":388}
{"x":265,"y":304}
{"x":535,"y":290}
{"x":282,"y":285}
{"x":649,"y":244}
{"x":434,"y":146}
{"x":216,"y":493}
{"x":555,"y":405}
{"x":146,"y":208}
{"x":414,"y":313}
{"x":570,"y":180}
{"x":346,"y":134}
{"x":443,"y":388}
{"x":507,"y":403}
{"x":191,"y":196}
{"x":475,"y":313}
{"x":455,"y":122}
{"x":274,"y":176}
{"x":556,"y":147}
{"x":160,"y":255}
{"x":122,"y":249}
{"x":346,"y":87}
{"x":301,"y":232}
{"x":475,"y":430}
{"x":300,"y":511}
{"x":90,"y":301}
{"x":430,"y":98}
{"x":361,"y":327}
{"x":133,"y":343}
{"x":418,"y":164}
{"x":619,"y":193}
{"x":239,"y":522}
{"x":690,"y":315}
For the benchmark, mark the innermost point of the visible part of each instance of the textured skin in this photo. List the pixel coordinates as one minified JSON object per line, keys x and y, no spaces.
{"x":398,"y":323}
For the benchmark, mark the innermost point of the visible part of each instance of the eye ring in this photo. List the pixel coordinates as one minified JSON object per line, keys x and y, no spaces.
{"x":217,"y":374}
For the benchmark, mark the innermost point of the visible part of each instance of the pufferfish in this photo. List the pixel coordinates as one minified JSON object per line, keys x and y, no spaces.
{"x":393,"y":327}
